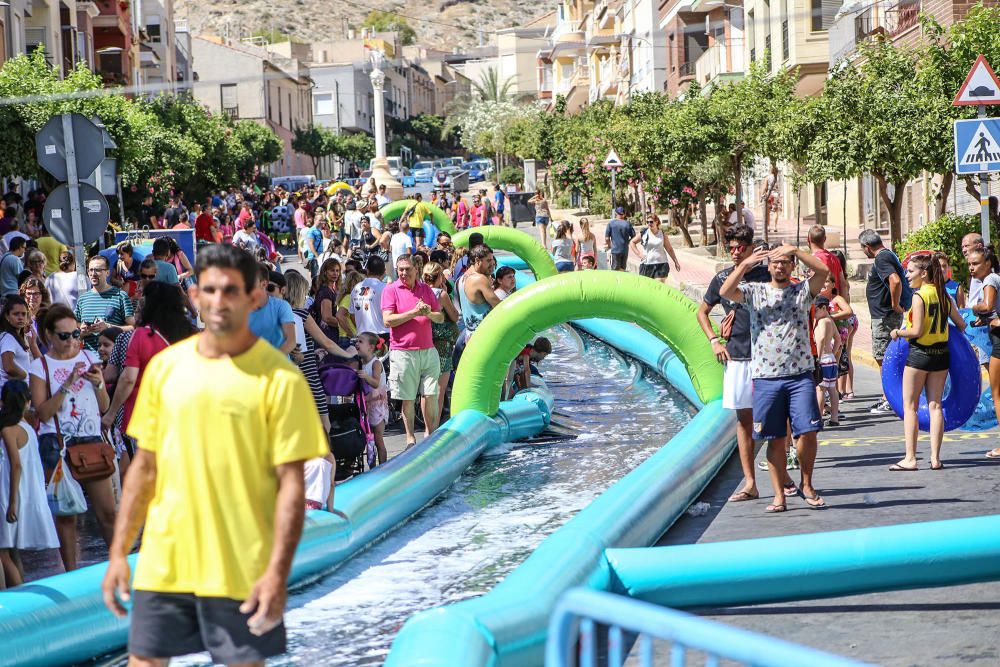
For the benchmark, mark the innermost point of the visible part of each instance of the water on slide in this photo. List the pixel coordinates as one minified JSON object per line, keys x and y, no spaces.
{"x":494,"y":515}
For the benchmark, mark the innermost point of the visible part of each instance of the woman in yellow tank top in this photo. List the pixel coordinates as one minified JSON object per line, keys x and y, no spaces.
{"x":927,"y":361}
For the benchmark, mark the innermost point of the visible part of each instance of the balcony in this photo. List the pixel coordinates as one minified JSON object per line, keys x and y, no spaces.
{"x":719,"y":63}
{"x":114,"y":15}
{"x":902,"y":16}
{"x":686,"y":70}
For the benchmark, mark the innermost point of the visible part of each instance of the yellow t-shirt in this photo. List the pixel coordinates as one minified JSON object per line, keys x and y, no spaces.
{"x":218,"y":427}
{"x":420,"y":213}
{"x":345,"y":303}
{"x":51,"y":249}
{"x":935,"y":317}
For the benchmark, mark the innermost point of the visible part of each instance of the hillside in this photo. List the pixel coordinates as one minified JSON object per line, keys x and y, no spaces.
{"x":324,"y":19}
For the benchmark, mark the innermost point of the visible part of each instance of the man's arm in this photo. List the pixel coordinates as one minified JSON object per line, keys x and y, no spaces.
{"x":137,"y":493}
{"x":718,"y":347}
{"x":819,"y":269}
{"x":270,"y":594}
{"x":393,"y":319}
{"x":123,"y":388}
{"x":483,"y":287}
{"x":288,"y":329}
{"x":895,"y":291}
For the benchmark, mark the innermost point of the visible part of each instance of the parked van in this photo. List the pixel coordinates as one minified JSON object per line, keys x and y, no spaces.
{"x":293,"y":183}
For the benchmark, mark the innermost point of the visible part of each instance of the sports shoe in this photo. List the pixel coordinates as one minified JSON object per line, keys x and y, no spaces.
{"x":763,"y":464}
{"x":792,"y":462}
{"x":881,"y":408}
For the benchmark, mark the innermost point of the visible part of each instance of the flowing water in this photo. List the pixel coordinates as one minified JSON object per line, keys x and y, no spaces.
{"x":494,"y":515}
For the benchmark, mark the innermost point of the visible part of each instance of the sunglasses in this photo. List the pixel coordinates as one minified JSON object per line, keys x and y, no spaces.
{"x":147,"y":276}
{"x":271,"y":287}
{"x":66,"y":335}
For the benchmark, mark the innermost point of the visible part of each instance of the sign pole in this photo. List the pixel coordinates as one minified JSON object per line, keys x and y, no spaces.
{"x":73,"y":182}
{"x":984,"y":195}
{"x":613,"y":190}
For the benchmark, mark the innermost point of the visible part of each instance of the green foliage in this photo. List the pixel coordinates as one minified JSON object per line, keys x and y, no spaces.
{"x":389,"y":22}
{"x":427,"y":127}
{"x":490,"y":88}
{"x":945,"y":234}
{"x":359,"y":148}
{"x":511,"y":174}
{"x":316,"y":141}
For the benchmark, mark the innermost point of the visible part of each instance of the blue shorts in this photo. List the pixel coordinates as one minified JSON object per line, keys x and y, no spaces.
{"x":775,"y":400}
{"x":541,"y":220}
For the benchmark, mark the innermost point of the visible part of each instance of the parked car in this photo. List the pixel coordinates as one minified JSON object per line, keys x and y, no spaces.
{"x":293,"y":183}
{"x":423,"y":171}
{"x":405,"y":177}
{"x":478,"y":171}
{"x":452,"y":162}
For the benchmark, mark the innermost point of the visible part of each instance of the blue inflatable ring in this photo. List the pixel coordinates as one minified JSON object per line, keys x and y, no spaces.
{"x":961,"y":394}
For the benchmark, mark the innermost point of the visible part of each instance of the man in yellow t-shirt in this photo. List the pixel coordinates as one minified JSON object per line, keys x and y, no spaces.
{"x":224,"y":424}
{"x":417,"y":214}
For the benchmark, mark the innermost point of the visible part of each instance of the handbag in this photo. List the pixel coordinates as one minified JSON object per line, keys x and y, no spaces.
{"x":90,"y":458}
{"x":726,"y":325}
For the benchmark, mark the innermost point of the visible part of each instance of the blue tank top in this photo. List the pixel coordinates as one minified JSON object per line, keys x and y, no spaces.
{"x":472,"y":313}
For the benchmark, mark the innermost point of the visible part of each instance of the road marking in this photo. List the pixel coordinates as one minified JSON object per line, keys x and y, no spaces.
{"x":862,"y":441}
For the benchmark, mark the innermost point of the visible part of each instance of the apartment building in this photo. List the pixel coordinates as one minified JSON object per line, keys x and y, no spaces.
{"x":517,"y":53}
{"x":857,"y":201}
{"x":158,"y":47}
{"x":244,"y":81}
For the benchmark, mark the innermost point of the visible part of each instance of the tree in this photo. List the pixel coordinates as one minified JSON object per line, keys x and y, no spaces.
{"x":316,"y":141}
{"x":490,"y":88}
{"x":261,"y":146}
{"x":485,"y":125}
{"x":884,"y":120}
{"x":390,"y":22}
{"x":357,"y":148}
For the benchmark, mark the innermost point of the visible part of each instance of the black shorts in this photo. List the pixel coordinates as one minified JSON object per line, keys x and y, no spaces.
{"x":619,"y":261}
{"x":166,"y":625}
{"x":661,"y":270}
{"x":995,"y":343}
{"x":418,"y":232}
{"x":928,"y":358}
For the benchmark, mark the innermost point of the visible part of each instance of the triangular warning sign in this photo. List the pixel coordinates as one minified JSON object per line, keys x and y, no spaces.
{"x":983,"y":149}
{"x":612,"y":161}
{"x":981,"y":86}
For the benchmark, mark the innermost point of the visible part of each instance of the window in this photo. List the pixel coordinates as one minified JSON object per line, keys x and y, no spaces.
{"x":785,"y":17}
{"x":229,"y":99}
{"x":153,"y":29}
{"x":822,"y":13}
{"x":751,"y":37}
{"x":281,"y":117}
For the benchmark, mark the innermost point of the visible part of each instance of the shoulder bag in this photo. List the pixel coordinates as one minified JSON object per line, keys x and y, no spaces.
{"x":90,"y":458}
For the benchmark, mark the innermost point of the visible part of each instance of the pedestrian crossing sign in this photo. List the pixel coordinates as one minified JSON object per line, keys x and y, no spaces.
{"x":977,"y":145}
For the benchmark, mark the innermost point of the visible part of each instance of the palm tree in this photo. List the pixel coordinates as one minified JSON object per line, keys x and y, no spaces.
{"x":491,"y":89}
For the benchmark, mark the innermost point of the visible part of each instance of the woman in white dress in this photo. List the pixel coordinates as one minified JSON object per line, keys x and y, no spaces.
{"x":25,"y":519}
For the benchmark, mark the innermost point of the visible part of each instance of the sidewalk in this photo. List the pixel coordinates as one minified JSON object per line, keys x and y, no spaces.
{"x":940,"y":626}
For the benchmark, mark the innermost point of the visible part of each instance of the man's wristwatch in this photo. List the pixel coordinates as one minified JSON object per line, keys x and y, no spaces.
{"x":714,"y":339}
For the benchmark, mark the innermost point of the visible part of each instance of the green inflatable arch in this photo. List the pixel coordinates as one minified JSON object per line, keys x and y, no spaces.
{"x":616,"y":295}
{"x":512,"y":240}
{"x":442,"y":220}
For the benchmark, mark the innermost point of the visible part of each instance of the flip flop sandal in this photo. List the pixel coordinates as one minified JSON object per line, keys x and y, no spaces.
{"x":937,"y":467}
{"x":776,"y":509}
{"x":742,"y":496}
{"x":790,"y":489}
{"x":993,"y":454}
{"x":895,"y":467}
{"x":814,"y":502}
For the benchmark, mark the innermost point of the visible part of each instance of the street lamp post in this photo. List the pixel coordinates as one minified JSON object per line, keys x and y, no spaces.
{"x":380,"y":166}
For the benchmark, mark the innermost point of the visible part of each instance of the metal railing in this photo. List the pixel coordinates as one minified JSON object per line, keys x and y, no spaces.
{"x":573,"y":631}
{"x":231,"y":112}
{"x":687,"y":68}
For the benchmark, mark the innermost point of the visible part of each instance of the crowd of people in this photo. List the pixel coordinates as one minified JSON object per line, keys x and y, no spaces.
{"x":787,"y":337}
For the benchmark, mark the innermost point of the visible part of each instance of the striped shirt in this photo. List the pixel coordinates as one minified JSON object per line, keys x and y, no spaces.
{"x":112,"y":306}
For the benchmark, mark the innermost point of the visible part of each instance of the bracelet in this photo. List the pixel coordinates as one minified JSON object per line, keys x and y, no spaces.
{"x":713,"y":339}
{"x":64,"y":391}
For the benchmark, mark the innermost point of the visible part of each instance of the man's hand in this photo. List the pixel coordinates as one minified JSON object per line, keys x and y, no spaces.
{"x":898,"y":309}
{"x":116,"y":582}
{"x":297,"y":355}
{"x":782,"y":251}
{"x":720,"y":351}
{"x":267,"y":601}
{"x":757,"y":256}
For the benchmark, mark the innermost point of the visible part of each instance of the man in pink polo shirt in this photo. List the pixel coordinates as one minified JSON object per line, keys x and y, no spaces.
{"x":408,"y":308}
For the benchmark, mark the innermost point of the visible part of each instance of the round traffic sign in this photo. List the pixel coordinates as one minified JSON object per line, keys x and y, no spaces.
{"x":94,"y":214}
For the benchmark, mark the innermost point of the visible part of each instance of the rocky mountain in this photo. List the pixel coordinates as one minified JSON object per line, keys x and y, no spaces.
{"x":445,"y":24}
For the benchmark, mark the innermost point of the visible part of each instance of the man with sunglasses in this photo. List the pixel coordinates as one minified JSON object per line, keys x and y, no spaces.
{"x":782,"y":361}
{"x":104,"y":305}
{"x":733,"y":350}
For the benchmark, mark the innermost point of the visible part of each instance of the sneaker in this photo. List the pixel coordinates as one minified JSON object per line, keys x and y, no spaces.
{"x":792,"y":463}
{"x":881,"y":408}
{"x":763,"y":465}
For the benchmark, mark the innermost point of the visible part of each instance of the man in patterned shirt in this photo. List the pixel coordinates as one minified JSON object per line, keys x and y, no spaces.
{"x":782,"y":361}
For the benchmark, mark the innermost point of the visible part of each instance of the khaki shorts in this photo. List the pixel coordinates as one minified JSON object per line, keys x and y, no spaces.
{"x":412,"y":372}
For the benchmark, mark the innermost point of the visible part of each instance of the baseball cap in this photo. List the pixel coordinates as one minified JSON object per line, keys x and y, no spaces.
{"x":620,"y":210}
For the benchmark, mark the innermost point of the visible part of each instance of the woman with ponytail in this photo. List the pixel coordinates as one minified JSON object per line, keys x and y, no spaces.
{"x":928,"y":360}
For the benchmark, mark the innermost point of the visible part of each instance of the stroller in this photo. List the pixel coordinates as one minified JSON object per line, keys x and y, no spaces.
{"x":351,"y":439}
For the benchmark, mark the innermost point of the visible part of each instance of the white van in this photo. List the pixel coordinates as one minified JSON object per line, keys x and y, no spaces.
{"x":293,"y":183}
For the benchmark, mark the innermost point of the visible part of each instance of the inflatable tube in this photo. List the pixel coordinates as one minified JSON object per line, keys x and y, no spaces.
{"x":430,"y":235}
{"x":512,"y":240}
{"x":831,"y":564}
{"x":62,"y":619}
{"x":984,"y":417}
{"x":508,"y":625}
{"x":959,"y":400}
{"x":393,"y":210}
{"x":513,"y":261}
{"x":568,"y":296}
{"x":339,"y":185}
